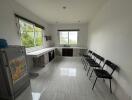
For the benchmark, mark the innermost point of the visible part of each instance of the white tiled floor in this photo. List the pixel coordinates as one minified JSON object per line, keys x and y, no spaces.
{"x":65,"y":79}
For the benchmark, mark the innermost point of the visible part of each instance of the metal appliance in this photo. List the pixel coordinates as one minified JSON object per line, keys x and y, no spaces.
{"x":13,"y":72}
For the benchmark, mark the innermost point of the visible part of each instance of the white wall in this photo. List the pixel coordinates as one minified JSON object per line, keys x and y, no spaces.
{"x":8,"y":28}
{"x":82,"y":35}
{"x":7,"y":23}
{"x":110,"y":35}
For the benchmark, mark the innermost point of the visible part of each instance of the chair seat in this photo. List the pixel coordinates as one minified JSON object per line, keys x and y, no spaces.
{"x":90,"y":60}
{"x":102,"y":74}
{"x":87,"y":56}
{"x":94,"y":64}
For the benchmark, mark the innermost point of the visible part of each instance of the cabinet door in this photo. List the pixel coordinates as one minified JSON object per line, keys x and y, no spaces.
{"x":58,"y":52}
{"x":67,"y":52}
{"x":76,"y":52}
{"x":46,"y":58}
{"x":39,"y":62}
{"x":50,"y":55}
{"x":53,"y":54}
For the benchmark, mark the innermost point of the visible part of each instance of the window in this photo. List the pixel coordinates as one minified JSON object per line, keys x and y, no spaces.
{"x":63,"y":37}
{"x":68,"y":37}
{"x":38,"y":35}
{"x":30,"y":34}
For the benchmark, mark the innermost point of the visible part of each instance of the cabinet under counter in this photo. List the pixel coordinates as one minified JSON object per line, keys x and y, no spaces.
{"x":67,"y":52}
{"x":70,"y":51}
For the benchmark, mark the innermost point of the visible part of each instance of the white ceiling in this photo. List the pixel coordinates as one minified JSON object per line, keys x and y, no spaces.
{"x":51,"y":11}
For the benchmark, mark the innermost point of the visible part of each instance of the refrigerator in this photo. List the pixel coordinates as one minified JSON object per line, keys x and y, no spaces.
{"x":14,"y":77}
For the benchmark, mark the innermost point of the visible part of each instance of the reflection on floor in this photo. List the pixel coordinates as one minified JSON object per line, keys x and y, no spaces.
{"x":36,"y":96}
{"x":68,"y":71}
{"x":65,"y":79}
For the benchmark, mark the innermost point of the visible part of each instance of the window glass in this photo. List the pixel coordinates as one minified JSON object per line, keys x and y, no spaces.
{"x":27,"y":34}
{"x":63,"y":37}
{"x":68,"y":37}
{"x":31,"y":35}
{"x":38,"y":36}
{"x":73,"y":37}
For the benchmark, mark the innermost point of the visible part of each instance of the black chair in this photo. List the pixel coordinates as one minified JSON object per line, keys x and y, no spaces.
{"x":95,"y":64}
{"x":89,"y":54}
{"x":102,"y":73}
{"x":90,"y":60}
{"x":84,"y":57}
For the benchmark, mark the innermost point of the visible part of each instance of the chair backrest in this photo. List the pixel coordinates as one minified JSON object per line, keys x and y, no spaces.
{"x":90,"y":52}
{"x":94,"y":55}
{"x":111,"y":65}
{"x":101,"y":59}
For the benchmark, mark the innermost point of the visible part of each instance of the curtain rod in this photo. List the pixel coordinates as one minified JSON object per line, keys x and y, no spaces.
{"x":69,"y":30}
{"x":23,"y":18}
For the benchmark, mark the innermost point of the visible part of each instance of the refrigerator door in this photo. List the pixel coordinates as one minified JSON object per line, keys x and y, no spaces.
{"x":16,"y":62}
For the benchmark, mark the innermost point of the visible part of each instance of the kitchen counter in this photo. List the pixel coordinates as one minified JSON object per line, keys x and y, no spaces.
{"x":46,"y":50}
{"x":40,"y":52}
{"x":72,"y":47}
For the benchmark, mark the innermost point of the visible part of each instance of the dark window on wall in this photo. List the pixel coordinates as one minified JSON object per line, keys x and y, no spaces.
{"x":68,"y":37}
{"x":31,"y":34}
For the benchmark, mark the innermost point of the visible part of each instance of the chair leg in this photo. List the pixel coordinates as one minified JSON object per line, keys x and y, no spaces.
{"x":82,"y":59}
{"x":88,"y":70}
{"x":86,"y":65}
{"x":110,"y":86}
{"x":84,"y":62}
{"x":103,"y":80}
{"x":94,"y":83}
{"x":91,"y":74}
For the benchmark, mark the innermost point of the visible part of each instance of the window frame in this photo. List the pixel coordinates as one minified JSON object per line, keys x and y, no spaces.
{"x":17,"y":17}
{"x":77,"y":30}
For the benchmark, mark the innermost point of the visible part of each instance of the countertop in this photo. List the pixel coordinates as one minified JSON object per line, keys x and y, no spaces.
{"x":72,"y":47}
{"x":40,"y":52}
{"x":45,"y":50}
